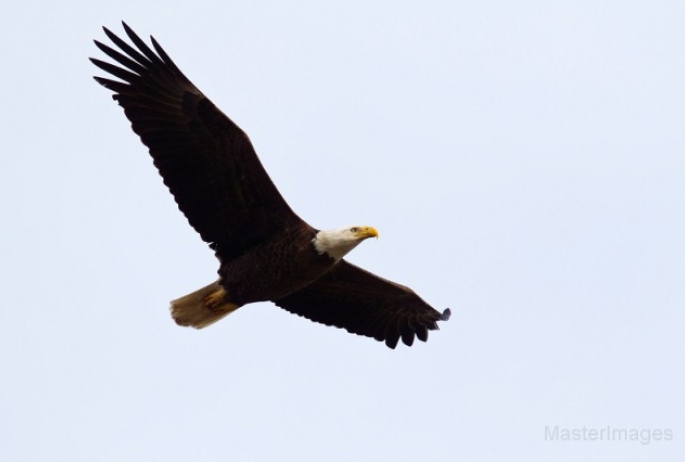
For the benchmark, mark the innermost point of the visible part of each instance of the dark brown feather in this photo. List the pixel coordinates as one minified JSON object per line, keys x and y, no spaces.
{"x":365,"y":304}
{"x":205,"y":159}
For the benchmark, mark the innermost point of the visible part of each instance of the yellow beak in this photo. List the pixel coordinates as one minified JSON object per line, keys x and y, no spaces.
{"x":367,"y":232}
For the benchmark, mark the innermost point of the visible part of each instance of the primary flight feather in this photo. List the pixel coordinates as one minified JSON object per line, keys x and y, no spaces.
{"x":266,"y":252}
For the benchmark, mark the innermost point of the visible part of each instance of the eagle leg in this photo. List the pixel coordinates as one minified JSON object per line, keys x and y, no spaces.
{"x":216,"y":299}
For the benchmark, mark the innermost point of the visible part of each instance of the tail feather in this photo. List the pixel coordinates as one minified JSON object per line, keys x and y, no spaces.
{"x":202,"y":307}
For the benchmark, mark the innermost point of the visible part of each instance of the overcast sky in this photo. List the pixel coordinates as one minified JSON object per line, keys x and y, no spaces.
{"x":523,"y":162}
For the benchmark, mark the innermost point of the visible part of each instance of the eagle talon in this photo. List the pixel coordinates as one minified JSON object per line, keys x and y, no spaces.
{"x":215,"y":300}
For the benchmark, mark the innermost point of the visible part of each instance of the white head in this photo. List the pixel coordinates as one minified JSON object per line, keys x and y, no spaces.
{"x":338,"y":242}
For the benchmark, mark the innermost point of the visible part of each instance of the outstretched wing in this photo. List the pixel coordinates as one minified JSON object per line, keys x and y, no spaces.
{"x":365,"y":304}
{"x":206,"y":160}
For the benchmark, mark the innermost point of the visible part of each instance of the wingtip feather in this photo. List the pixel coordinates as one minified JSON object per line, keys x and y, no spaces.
{"x":446,"y":315}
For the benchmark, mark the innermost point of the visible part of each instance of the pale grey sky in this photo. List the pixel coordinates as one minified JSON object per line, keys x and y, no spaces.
{"x":523,"y":162}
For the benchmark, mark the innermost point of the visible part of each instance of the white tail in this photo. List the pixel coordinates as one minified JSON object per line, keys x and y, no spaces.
{"x":202,"y":307}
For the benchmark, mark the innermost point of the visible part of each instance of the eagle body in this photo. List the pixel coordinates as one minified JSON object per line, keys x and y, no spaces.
{"x":266,"y":251}
{"x":279,"y":267}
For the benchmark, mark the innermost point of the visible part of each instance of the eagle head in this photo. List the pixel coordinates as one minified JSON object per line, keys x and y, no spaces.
{"x":336,"y":243}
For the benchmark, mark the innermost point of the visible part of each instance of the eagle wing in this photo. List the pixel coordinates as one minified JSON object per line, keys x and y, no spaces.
{"x":365,"y":304}
{"x":207,"y":162}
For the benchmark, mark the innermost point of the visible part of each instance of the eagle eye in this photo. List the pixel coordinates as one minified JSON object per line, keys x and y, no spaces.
{"x":354,"y":229}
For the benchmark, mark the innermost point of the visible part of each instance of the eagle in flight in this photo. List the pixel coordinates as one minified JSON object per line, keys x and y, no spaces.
{"x":266,"y":252}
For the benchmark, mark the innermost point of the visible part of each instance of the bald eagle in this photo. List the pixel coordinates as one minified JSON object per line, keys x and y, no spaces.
{"x":266,"y":252}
